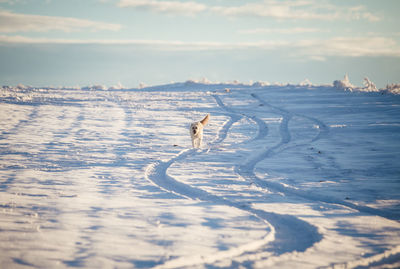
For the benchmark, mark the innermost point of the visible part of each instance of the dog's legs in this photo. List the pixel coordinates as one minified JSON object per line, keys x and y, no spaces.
{"x":196,"y":142}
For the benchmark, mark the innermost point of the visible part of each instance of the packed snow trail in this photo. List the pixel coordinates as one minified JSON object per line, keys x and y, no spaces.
{"x":233,"y":118}
{"x":287,"y":238}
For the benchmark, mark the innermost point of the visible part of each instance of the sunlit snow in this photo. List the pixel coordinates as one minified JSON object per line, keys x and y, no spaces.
{"x":289,"y":176}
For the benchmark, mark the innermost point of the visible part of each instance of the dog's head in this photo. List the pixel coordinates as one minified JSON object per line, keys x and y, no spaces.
{"x":196,"y":127}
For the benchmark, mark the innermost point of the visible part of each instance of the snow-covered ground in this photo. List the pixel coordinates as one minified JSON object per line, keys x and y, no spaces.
{"x":288,"y":177}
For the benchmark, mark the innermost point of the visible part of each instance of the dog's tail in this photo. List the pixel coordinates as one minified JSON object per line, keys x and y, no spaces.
{"x":205,"y":120}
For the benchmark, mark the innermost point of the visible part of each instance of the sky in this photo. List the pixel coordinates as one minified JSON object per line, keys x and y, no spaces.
{"x":128,"y":42}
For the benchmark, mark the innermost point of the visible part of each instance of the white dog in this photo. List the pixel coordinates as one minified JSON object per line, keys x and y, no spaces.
{"x":196,"y":131}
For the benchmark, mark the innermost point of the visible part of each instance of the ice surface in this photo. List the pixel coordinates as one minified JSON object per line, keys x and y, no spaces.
{"x":290,"y":176}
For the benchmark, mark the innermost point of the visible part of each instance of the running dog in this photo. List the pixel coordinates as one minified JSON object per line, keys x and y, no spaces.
{"x":196,"y":131}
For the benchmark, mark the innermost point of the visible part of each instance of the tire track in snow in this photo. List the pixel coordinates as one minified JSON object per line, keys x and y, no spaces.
{"x":323,"y":129}
{"x":247,"y":170}
{"x":390,"y":258}
{"x":281,"y":239}
{"x":233,"y":118}
{"x":157,"y":174}
{"x":287,"y":239}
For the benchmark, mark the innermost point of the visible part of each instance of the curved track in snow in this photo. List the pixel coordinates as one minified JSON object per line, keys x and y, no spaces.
{"x":289,"y":234}
{"x":247,"y":170}
{"x":285,"y":237}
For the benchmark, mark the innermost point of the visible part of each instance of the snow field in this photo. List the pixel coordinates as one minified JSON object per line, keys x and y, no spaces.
{"x":289,"y":176}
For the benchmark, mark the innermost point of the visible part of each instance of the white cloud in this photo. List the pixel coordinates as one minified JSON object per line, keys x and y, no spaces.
{"x":151,"y":44}
{"x":359,"y":12}
{"x":295,"y":30}
{"x":274,"y":9}
{"x":297,"y":9}
{"x":165,"y":44}
{"x":176,"y":7}
{"x":317,"y":49}
{"x":14,"y":22}
{"x":349,"y":47}
{"x":284,"y":9}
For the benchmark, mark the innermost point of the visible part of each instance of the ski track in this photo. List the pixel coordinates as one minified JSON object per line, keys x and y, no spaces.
{"x":286,"y":238}
{"x":247,"y":170}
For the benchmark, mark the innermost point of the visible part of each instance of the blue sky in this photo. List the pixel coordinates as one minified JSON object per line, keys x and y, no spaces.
{"x":75,"y":42}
